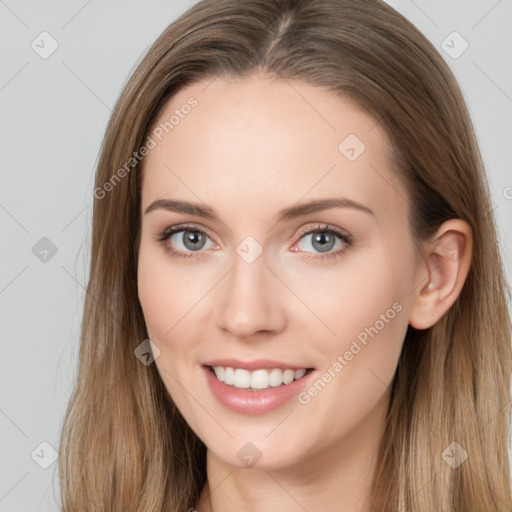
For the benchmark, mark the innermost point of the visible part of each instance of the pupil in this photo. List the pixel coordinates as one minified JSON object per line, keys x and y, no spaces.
{"x":193,"y":240}
{"x":325,"y":240}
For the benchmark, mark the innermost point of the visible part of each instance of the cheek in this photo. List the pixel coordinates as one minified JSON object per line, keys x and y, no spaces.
{"x":369,"y":329}
{"x":348,"y":296}
{"x":167,"y":304}
{"x":166,"y":291}
{"x":359,"y":358}
{"x":163,"y":295}
{"x":363,"y":311}
{"x":374,"y":320}
{"x":152,"y":283}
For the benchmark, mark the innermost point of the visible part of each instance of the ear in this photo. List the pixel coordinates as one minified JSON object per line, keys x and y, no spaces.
{"x":442,"y":271}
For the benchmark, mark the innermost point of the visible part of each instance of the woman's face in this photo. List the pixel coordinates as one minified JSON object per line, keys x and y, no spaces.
{"x":254,"y":274}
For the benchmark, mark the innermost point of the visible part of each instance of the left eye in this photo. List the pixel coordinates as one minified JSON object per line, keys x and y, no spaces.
{"x":323,"y":240}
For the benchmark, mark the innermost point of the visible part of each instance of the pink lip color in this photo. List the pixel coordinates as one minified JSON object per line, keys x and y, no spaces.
{"x":256,"y":364}
{"x":254,"y":402}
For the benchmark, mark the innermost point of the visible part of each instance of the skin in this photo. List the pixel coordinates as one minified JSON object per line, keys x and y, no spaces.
{"x":248,"y":149}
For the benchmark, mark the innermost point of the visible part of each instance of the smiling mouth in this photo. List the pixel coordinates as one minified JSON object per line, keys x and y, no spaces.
{"x":257,"y":380}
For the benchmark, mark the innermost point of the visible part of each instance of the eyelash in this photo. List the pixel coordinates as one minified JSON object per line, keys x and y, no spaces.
{"x":169,"y":231}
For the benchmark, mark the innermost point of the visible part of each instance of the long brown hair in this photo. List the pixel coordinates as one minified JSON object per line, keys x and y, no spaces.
{"x":125,"y":446}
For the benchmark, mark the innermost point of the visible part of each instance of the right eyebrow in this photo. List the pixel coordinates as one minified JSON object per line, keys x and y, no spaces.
{"x":183,"y":207}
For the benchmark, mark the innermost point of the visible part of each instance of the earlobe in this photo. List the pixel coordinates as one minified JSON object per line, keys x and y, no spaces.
{"x":442,"y":272}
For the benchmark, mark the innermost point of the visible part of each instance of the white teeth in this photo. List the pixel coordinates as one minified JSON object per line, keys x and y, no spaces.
{"x":257,"y":379}
{"x":219,"y":372}
{"x":242,"y":378}
{"x":300,"y":373}
{"x":276,"y":377}
{"x":229,"y":375}
{"x":288,"y":376}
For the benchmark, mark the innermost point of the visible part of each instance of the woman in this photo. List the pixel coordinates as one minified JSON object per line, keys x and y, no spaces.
{"x":296,"y":299}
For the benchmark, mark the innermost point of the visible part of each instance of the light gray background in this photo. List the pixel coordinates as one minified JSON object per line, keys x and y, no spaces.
{"x":53,"y":115}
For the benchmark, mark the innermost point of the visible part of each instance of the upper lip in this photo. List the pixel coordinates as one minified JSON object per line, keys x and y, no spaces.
{"x":255,"y":364}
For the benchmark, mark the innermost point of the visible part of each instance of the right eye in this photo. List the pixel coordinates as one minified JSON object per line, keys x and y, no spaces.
{"x":184,"y":241}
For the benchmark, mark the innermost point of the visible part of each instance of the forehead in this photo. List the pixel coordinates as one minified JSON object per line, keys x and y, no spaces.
{"x":263,"y":140}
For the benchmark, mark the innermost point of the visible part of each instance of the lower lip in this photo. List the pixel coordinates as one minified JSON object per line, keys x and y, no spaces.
{"x":254,"y":402}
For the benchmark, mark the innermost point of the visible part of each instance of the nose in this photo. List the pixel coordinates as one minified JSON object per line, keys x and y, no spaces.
{"x":252,"y":300}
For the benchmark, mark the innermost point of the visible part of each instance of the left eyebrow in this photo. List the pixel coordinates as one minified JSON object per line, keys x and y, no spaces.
{"x":289,"y":213}
{"x":319,"y":205}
